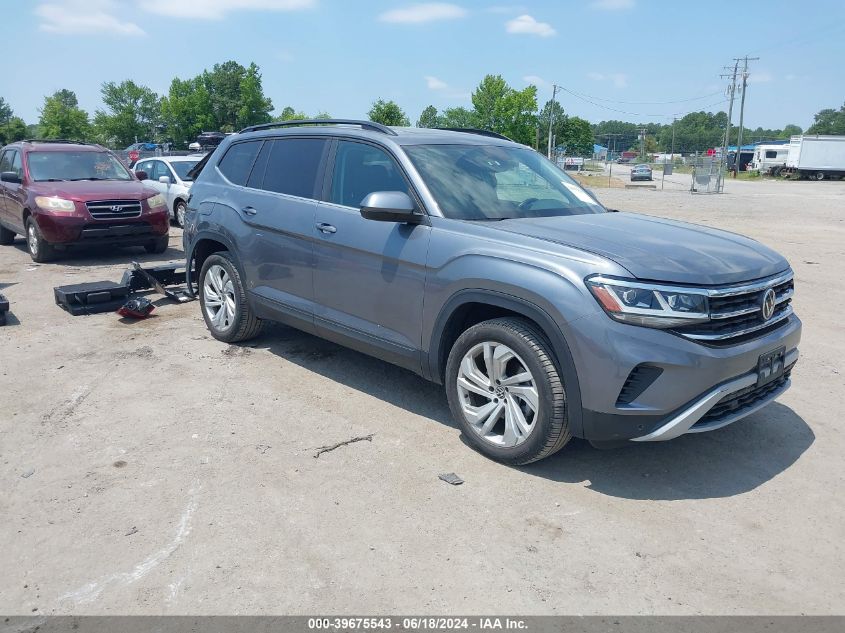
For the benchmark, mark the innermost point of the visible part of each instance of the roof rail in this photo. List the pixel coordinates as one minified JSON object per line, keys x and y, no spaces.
{"x":55,"y":140}
{"x":472,"y":130}
{"x":364,"y":125}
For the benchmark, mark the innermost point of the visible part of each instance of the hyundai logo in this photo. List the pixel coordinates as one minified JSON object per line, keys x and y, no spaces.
{"x":768,"y":306}
{"x":115,"y":209}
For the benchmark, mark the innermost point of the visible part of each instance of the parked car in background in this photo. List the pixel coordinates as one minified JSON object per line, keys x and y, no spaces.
{"x":640,"y":172}
{"x":169,"y":176}
{"x":476,"y":263}
{"x":62,"y":193}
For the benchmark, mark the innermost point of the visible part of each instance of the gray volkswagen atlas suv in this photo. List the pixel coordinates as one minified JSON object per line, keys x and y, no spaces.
{"x":476,"y":263}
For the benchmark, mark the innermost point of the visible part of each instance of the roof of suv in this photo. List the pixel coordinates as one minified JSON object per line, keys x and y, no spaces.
{"x":58,"y":145}
{"x":374,"y":131}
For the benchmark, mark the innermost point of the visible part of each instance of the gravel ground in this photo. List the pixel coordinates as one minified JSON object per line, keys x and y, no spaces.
{"x":147,"y":468}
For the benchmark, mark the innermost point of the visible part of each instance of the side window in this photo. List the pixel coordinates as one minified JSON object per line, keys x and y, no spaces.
{"x":6,"y":160}
{"x":257,"y":175}
{"x":770,"y":153}
{"x":160,"y":169}
{"x":237,"y":162}
{"x":145,"y":166}
{"x":292,"y":166}
{"x":17,"y":165}
{"x":361,"y":169}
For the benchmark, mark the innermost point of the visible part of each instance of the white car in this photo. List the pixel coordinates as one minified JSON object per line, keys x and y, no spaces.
{"x":169,"y":176}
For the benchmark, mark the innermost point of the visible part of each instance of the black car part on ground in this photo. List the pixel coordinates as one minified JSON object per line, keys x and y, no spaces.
{"x":137,"y":308}
{"x":4,"y":308}
{"x":108,"y":296}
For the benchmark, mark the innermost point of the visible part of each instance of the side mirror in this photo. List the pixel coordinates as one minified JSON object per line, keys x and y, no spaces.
{"x":390,"y":206}
{"x":142,"y":175}
{"x":10,"y":176}
{"x":165,"y":180}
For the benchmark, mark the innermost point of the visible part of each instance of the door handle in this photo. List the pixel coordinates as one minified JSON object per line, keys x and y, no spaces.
{"x":326,"y":228}
{"x":250,"y":210}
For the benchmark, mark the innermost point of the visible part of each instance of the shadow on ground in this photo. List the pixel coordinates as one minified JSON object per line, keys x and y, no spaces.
{"x":722,"y":463}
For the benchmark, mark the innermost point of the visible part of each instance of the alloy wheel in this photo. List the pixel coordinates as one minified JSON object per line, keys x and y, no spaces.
{"x":32,"y":239}
{"x":219,"y":298}
{"x":498,"y":394}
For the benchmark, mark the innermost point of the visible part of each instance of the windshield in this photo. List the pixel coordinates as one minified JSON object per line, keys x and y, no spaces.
{"x":487,"y":182}
{"x":182,"y":168}
{"x":81,"y":165}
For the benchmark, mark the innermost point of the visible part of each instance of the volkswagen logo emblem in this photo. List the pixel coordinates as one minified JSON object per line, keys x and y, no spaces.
{"x":768,"y":306}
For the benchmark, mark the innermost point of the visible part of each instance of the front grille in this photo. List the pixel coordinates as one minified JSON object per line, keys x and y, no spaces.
{"x":743,"y":399}
{"x":736,"y":316}
{"x":114,"y":209}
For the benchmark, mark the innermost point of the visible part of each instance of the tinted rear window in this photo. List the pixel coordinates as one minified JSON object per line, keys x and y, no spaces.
{"x":292,"y":166}
{"x":237,"y":162}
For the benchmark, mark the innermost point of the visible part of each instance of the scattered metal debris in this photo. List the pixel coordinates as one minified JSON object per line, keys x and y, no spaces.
{"x":326,"y":449}
{"x":29,"y":472}
{"x":262,"y":448}
{"x":451,"y":478}
{"x":132,"y":530}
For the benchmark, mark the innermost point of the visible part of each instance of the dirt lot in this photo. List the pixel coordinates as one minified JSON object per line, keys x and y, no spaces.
{"x":147,"y":468}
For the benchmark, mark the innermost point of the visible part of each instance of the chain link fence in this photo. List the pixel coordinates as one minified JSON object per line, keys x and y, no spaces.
{"x":707,"y":174}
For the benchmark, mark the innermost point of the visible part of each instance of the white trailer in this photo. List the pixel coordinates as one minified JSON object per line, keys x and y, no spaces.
{"x":770,"y":158}
{"x":816,"y":156}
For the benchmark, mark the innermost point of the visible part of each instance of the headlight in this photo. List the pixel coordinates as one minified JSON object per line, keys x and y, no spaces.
{"x":650,"y":305}
{"x":156,"y":201}
{"x":60,"y":205}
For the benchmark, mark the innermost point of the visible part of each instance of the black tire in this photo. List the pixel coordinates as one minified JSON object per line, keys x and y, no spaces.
{"x":244,"y":324}
{"x":179,"y":210}
{"x":159,"y":246}
{"x":819,"y":175}
{"x":550,"y":430}
{"x":42,"y":251}
{"x":7,"y":237}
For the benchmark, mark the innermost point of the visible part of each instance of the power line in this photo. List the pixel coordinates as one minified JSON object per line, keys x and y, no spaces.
{"x":640,"y":114}
{"x":712,"y":94}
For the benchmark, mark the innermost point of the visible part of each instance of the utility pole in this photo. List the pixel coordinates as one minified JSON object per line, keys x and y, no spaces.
{"x":610,"y":137}
{"x":671,"y":155}
{"x":723,"y":161}
{"x":746,"y":59}
{"x":551,"y":119}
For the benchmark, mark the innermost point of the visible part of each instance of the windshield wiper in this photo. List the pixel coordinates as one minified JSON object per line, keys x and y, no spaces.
{"x":89,"y":178}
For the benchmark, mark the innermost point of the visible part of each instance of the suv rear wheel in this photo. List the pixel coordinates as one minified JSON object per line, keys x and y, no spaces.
{"x":40,"y":250}
{"x":505,"y":392}
{"x":223,"y":298}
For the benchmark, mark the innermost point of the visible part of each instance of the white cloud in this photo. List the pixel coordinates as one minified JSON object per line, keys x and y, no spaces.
{"x":81,"y":17}
{"x":612,"y":5}
{"x":536,"y":81}
{"x":760,"y":77}
{"x":435,"y":84}
{"x":619,"y":80}
{"x":527,"y":25}
{"x":218,"y":9}
{"x":422,"y":13}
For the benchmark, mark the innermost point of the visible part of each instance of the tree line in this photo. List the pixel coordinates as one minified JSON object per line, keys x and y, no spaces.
{"x":230,"y":96}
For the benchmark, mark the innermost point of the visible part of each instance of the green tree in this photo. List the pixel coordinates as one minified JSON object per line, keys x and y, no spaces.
{"x":133,"y":113}
{"x":500,"y":108}
{"x":289,"y":114}
{"x":429,"y":118}
{"x":12,"y":128}
{"x":223,"y":84}
{"x":554,"y":111}
{"x":186,"y":111}
{"x":61,"y":117}
{"x":577,"y":135}
{"x":790,"y":130}
{"x":458,"y":117}
{"x":388,"y":113}
{"x":828,"y":121}
{"x":254,"y":108}
{"x":695,"y":132}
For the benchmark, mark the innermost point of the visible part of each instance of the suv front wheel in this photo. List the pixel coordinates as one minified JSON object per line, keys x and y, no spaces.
{"x":40,"y":250}
{"x":225,"y":309}
{"x":505,"y":392}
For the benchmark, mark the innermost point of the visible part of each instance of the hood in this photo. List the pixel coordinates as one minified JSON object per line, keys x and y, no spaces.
{"x":657,"y":249}
{"x":85,"y":190}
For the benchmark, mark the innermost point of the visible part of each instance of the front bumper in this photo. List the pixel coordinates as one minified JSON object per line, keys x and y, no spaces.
{"x":74,"y":229}
{"x":694,"y":386}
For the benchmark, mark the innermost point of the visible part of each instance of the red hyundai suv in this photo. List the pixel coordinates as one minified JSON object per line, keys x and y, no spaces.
{"x":63,"y":193}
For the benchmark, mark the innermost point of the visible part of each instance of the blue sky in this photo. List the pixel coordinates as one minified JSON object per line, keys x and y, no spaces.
{"x":339,"y":56}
